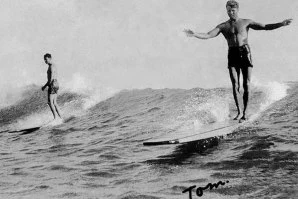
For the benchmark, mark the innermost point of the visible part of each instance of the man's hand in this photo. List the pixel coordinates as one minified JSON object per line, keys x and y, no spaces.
{"x":189,"y":33}
{"x":42,"y":88}
{"x":287,"y":22}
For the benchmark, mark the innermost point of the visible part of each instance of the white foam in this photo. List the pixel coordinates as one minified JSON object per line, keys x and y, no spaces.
{"x":94,"y":92}
{"x":34,"y":120}
{"x":197,"y":113}
{"x":273,"y":91}
{"x":45,"y":117}
{"x":54,"y":122}
{"x":218,"y":107}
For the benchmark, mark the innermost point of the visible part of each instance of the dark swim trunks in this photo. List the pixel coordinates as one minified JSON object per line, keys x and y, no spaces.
{"x":54,"y":87}
{"x":239,"y":57}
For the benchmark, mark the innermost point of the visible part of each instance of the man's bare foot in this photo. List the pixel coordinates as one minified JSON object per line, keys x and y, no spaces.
{"x":243,"y":119}
{"x":237,"y":117}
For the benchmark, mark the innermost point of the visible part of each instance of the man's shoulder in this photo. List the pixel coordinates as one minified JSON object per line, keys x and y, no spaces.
{"x":223,"y":24}
{"x":53,"y":65}
{"x":246,"y":20}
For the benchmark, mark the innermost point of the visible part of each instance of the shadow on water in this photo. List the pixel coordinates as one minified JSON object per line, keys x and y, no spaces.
{"x":185,"y":151}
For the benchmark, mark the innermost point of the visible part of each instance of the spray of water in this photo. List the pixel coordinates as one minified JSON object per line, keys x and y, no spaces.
{"x":273,"y":92}
{"x":93,"y":93}
{"x":201,"y":111}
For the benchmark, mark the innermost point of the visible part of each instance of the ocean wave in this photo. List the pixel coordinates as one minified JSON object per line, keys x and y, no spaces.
{"x":173,"y":108}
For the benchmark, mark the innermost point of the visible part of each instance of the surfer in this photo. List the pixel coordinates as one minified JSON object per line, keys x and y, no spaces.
{"x":235,"y":31}
{"x":52,"y":85}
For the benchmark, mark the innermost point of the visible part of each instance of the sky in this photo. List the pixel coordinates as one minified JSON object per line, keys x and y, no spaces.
{"x":127,"y":44}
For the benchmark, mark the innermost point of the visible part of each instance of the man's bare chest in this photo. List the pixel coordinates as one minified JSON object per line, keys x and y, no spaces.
{"x":234,"y":29}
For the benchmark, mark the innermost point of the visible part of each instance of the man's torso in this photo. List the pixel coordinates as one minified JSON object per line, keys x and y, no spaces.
{"x":52,"y":72}
{"x":235,"y":32}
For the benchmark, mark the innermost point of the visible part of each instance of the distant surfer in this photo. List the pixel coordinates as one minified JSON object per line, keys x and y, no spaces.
{"x":52,"y":85}
{"x":235,"y":31}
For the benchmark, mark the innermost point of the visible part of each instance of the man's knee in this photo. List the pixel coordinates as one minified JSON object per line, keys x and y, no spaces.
{"x":246,"y":86}
{"x":55,"y":103}
{"x":50,"y":102}
{"x":236,"y":86}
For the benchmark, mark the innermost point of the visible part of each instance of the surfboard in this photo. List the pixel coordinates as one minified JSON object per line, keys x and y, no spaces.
{"x":26,"y":131}
{"x":33,"y":129}
{"x":218,"y":129}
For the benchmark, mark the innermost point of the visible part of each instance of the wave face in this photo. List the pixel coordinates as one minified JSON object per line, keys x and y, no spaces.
{"x":98,"y":151}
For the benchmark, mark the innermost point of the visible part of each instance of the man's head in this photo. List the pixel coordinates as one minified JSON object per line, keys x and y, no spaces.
{"x":232,"y":9}
{"x":47,"y":58}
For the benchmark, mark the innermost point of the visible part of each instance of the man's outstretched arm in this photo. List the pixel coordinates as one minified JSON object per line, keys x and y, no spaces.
{"x":210,"y":34}
{"x":258,"y":26}
{"x":47,"y":84}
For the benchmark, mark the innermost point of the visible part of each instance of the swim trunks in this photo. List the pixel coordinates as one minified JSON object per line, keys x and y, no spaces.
{"x":239,"y":57}
{"x":53,"y":87}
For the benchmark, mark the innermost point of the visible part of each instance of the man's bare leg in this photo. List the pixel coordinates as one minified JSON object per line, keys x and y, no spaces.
{"x":56,"y":105}
{"x":51,"y":104}
{"x":234,"y":75}
{"x":246,"y":73}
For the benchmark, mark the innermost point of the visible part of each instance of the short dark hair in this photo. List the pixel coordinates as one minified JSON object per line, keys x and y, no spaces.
{"x":232,"y":4}
{"x":47,"y":55}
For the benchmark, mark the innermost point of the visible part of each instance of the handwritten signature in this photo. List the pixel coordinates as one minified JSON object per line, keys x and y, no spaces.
{"x":200,"y":190}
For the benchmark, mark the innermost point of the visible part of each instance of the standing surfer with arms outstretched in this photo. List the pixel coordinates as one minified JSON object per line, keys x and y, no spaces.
{"x":235,"y":31}
{"x":53,"y":86}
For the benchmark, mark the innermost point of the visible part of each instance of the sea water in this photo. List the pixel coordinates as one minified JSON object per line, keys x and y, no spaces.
{"x":98,"y":151}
